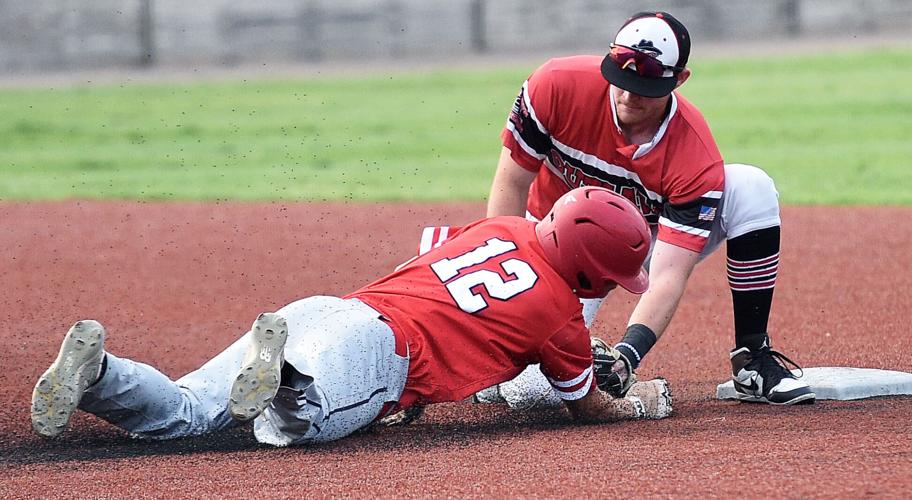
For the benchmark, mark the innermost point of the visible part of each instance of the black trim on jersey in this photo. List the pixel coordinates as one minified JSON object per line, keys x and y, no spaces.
{"x":359,"y":403}
{"x":527,"y":127}
{"x":689,"y":213}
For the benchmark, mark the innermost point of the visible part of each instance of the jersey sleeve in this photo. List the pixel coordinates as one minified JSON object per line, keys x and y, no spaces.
{"x":526,"y":133}
{"x":566,"y":361}
{"x":692,"y":207}
{"x":434,"y":236}
{"x":431,"y":238}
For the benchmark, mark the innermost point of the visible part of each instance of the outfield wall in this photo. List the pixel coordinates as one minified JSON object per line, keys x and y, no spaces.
{"x":82,"y":34}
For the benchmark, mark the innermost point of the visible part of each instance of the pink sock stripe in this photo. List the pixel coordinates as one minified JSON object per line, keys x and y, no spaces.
{"x":754,"y":285}
{"x":753,"y":263}
{"x":759,"y":272}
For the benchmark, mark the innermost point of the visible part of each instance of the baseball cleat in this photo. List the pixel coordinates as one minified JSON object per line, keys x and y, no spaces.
{"x":257,"y":382}
{"x":760,"y":377}
{"x":60,"y":388}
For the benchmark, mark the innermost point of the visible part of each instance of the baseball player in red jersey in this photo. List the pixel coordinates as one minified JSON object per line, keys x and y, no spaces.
{"x":496,"y":296}
{"x":616,"y":121}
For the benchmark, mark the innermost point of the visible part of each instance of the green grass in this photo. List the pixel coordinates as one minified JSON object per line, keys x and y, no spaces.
{"x":830,"y":130}
{"x":406,"y":137}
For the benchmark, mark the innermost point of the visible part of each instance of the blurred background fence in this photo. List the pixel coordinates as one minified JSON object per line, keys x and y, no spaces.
{"x":60,"y":35}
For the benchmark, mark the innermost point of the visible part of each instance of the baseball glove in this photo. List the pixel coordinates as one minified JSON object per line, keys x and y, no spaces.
{"x":613,"y":372}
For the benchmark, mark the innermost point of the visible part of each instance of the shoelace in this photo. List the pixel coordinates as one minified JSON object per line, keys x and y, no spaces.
{"x":769,"y":358}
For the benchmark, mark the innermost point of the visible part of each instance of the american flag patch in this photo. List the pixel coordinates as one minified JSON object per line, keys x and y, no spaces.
{"x":707,"y":213}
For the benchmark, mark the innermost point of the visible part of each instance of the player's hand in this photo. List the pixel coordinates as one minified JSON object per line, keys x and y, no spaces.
{"x":403,"y":417}
{"x":651,"y":399}
{"x":613,"y":373}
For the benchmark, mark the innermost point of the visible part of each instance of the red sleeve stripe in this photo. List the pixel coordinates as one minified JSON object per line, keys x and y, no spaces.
{"x":432,"y":237}
{"x":563,"y":384}
{"x":702,"y":233}
{"x":575,"y":388}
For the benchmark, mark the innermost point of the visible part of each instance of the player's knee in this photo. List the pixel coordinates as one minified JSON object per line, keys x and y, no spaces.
{"x":749,"y":179}
{"x":751,"y":199}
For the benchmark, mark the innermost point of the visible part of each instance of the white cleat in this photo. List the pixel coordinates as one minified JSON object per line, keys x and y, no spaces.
{"x":257,"y":382}
{"x":60,"y":388}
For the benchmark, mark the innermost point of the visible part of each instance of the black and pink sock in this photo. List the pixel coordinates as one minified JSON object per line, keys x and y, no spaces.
{"x":753,"y":264}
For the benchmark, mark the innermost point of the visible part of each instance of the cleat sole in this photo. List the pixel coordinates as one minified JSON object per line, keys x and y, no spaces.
{"x":258,"y":380}
{"x":59,"y":389}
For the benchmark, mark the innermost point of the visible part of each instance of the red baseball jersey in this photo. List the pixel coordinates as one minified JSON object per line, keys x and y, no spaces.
{"x":480,"y":307}
{"x":564,"y":126}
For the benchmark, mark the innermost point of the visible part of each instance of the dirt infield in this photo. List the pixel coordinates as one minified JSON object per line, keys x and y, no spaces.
{"x":175,"y":283}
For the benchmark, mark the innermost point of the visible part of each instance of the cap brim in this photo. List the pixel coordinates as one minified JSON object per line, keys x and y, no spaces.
{"x":638,"y":284}
{"x":632,"y":82}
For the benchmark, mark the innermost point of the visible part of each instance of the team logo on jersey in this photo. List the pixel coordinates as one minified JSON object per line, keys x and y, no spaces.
{"x":585,"y":175}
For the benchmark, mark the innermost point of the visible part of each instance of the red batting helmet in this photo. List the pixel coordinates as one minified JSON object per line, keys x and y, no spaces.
{"x":595,"y":238}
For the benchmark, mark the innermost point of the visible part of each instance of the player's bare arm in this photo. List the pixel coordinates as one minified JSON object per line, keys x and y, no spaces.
{"x":645,"y":400}
{"x":668,"y":274}
{"x":510,"y":188}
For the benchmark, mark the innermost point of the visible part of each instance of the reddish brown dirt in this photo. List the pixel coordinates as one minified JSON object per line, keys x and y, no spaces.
{"x":175,"y":283}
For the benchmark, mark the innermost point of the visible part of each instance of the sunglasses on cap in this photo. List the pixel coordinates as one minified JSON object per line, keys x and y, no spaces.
{"x":644,"y":63}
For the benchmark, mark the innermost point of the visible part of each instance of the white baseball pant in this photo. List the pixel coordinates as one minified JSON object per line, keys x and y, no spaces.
{"x":345,"y":370}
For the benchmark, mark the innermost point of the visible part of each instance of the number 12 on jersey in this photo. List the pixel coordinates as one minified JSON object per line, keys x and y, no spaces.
{"x":524,"y":278}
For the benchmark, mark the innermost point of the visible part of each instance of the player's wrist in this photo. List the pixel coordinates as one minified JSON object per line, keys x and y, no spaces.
{"x":637,"y":341}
